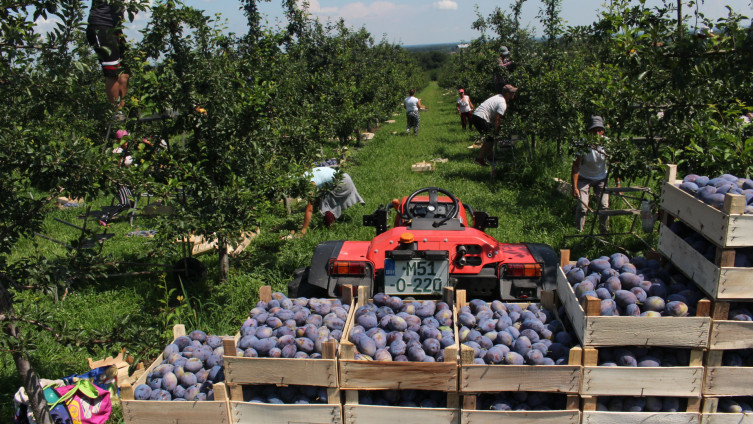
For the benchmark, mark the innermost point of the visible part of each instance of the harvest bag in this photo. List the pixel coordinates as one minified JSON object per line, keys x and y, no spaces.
{"x":86,"y":403}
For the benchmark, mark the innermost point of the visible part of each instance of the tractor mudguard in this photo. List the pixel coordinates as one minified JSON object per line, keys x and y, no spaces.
{"x":543,"y":253}
{"x":318,"y":274}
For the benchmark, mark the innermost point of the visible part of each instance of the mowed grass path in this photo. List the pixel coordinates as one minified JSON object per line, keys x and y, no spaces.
{"x":522,"y":195}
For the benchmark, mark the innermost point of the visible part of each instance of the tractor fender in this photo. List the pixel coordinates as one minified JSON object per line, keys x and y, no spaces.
{"x":318,"y":274}
{"x":543,"y":253}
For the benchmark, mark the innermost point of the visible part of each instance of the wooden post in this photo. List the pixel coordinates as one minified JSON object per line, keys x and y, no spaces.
{"x":720,"y":311}
{"x":734,"y":204}
{"x":703,"y":309}
{"x":590,"y":357}
{"x":460,"y":298}
{"x":576,"y":356}
{"x":363,"y":295}
{"x":592,"y":306}
{"x":265,"y":293}
{"x":564,"y":257}
{"x":347,"y":294}
{"x":572,"y":402}
{"x":126,"y":391}
{"x":448,"y":295}
{"x":589,"y":403}
{"x":670,"y":175}
{"x":469,"y":402}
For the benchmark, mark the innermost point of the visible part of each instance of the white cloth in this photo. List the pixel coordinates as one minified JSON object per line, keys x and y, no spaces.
{"x":321,"y":175}
{"x":593,"y":164}
{"x":464,"y":103}
{"x":411,"y":104}
{"x":495,"y":104}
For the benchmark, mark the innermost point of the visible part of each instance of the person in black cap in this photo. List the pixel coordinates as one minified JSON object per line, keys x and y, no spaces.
{"x":590,"y":170}
{"x":105,"y":35}
{"x":487,"y":119}
{"x":503,"y":69}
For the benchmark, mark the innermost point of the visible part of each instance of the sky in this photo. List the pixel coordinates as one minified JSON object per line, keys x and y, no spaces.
{"x":412,"y":22}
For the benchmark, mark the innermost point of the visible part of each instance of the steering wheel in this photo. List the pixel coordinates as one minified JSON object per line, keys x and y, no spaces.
{"x":433,"y":203}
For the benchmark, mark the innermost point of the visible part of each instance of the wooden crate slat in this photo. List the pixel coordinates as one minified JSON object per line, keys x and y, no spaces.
{"x":198,"y":412}
{"x":521,"y":417}
{"x":398,"y":375}
{"x":642,"y":381}
{"x":722,"y":418}
{"x":246,"y":413}
{"x":728,"y":381}
{"x":728,"y":334}
{"x":310,"y":372}
{"x":545,"y":378}
{"x":600,"y":417}
{"x":371,"y":414}
{"x":725,"y":283}
{"x":631,"y":331}
{"x":722,"y":229}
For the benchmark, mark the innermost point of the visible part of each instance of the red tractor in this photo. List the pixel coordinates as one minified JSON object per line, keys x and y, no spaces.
{"x":432,"y":244}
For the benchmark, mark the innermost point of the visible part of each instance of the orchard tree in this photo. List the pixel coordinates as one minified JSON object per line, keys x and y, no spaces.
{"x":50,"y":143}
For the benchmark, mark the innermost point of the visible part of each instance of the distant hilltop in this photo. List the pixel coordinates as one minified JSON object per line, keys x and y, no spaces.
{"x":443,"y":47}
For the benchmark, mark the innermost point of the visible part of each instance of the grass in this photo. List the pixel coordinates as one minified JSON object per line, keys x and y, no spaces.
{"x":138,"y":312}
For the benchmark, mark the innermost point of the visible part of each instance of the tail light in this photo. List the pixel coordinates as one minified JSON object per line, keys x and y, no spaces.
{"x":347,"y":268}
{"x":522,"y":270}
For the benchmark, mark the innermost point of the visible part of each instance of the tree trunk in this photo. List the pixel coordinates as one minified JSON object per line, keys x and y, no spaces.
{"x":28,"y":376}
{"x":224,"y":261}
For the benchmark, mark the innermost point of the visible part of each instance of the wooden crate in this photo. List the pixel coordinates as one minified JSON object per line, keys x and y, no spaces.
{"x":604,"y":417}
{"x":592,"y":416}
{"x":710,"y":415}
{"x":307,"y":372}
{"x":370,"y":375}
{"x":594,"y":330}
{"x":470,"y":414}
{"x":725,"y":381}
{"x":371,"y":414}
{"x":153,"y":411}
{"x":534,"y":378}
{"x":722,"y":418}
{"x":721,"y":281}
{"x":727,"y":334}
{"x":266,"y":413}
{"x":642,"y":381}
{"x":725,"y":228}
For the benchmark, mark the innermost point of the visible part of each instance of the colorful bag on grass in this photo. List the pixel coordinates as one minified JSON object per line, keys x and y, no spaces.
{"x":86,"y":403}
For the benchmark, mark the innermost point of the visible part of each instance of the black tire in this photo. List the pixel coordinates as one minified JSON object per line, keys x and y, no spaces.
{"x":300,"y":274}
{"x":300,"y":287}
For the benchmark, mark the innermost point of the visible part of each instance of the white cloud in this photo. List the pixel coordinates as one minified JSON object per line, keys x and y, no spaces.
{"x":43,"y":26}
{"x":358,"y":10}
{"x":446,"y":5}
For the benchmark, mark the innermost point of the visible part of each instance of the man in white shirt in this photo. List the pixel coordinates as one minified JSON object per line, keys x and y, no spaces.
{"x":590,"y":170}
{"x":412,"y":105}
{"x":487,"y":118}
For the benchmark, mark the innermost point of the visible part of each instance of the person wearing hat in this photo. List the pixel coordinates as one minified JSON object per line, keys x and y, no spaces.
{"x":487,"y":119}
{"x":503,"y":69}
{"x":504,"y":60}
{"x":465,"y":107}
{"x":590,"y":171}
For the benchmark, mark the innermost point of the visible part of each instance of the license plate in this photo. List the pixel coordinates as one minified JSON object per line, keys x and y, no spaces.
{"x":415,"y":276}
